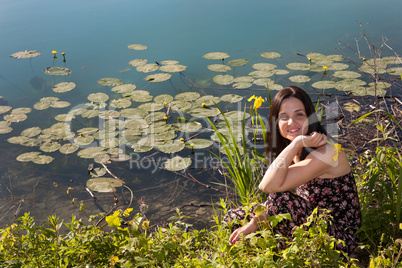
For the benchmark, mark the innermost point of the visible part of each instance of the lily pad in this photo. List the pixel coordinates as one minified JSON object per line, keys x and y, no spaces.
{"x":31,"y":132}
{"x":264,"y":66}
{"x":232,"y":98}
{"x":324,"y":84}
{"x":141,"y":96}
{"x":17,"y":139}
{"x":137,"y":47}
{"x":163,"y":98}
{"x":151,"y":106}
{"x":187,"y":96}
{"x":15,"y":117}
{"x":235,"y":115}
{"x":68,"y":148}
{"x":237,"y":62}
{"x":171,"y":147}
{"x":5,"y":130}
{"x":261,"y":74}
{"x":173,"y":68}
{"x":270,"y":55}
{"x":57,"y":71}
{"x":346,"y":74}
{"x":219,"y":68}
{"x":43,"y":159}
{"x":189,"y":127}
{"x":177,"y":163}
{"x":159,"y":77}
{"x":243,"y":79}
{"x":198,"y":143}
{"x":98,"y":97}
{"x":242,"y":85}
{"x":133,"y":113}
{"x":22,"y":110}
{"x":179,"y":105}
{"x":349,"y":84}
{"x":25,"y":54}
{"x":60,"y":104}
{"x":50,"y":146}
{"x":395,"y":70}
{"x":223,"y":79}
{"x":110,"y":82}
{"x":26,"y":157}
{"x":120,"y":103}
{"x":205,"y":112}
{"x":147,"y":68}
{"x":299,"y":78}
{"x":138,"y":62}
{"x":102,"y":158}
{"x":103,"y":184}
{"x":124,"y":88}
{"x":208,"y":100}
{"x":216,"y":55}
{"x":5,"y":109}
{"x":64,"y":87}
{"x":298,"y":66}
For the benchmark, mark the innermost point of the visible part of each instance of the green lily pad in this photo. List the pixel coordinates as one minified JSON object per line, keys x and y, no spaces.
{"x":42,"y":159}
{"x":171,"y":147}
{"x":264,"y":66}
{"x":120,"y":103}
{"x":177,"y":163}
{"x":68,"y":148}
{"x":57,"y":71}
{"x":223,"y":79}
{"x":205,"y":112}
{"x":137,"y":47}
{"x":169,"y":62}
{"x":17,"y":139}
{"x":187,"y":96}
{"x":25,"y":54}
{"x":26,"y":157}
{"x":335,"y":57}
{"x":299,"y":78}
{"x":60,"y":104}
{"x":189,"y":127}
{"x":324,"y":84}
{"x":15,"y":117}
{"x":232,"y":98}
{"x":235,"y":115}
{"x":155,"y":116}
{"x":351,"y":107}
{"x":241,"y":85}
{"x":280,"y":72}
{"x":101,"y":158}
{"x":50,"y":147}
{"x":237,"y":62}
{"x":138,"y":62}
{"x":337,"y":66}
{"x":395,"y":71}
{"x":208,"y":100}
{"x":90,"y":113}
{"x":173,"y":68}
{"x":315,"y":56}
{"x":298,"y":66}
{"x":346,"y":74}
{"x":179,"y":105}
{"x":151,"y":106}
{"x":159,"y":77}
{"x":263,"y":82}
{"x":98,"y":97}
{"x":22,"y":110}
{"x":133,"y":113}
{"x":83,"y":139}
{"x":270,"y":55}
{"x":163,"y":98}
{"x":198,"y":143}
{"x":243,"y":79}
{"x":103,"y":184}
{"x":141,"y":96}
{"x":5,"y":109}
{"x":110,"y":82}
{"x":124,"y":88}
{"x":261,"y":74}
{"x":219,"y":68}
{"x":349,"y":84}
{"x":368,"y":91}
{"x":147,"y":68}
{"x":31,"y":132}
{"x":107,"y":114}
{"x":5,"y":130}
{"x":63,"y":87}
{"x":216,"y":55}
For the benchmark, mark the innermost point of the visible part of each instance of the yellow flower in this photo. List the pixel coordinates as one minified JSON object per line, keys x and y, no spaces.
{"x":337,"y":149}
{"x":204,"y":104}
{"x":164,"y":103}
{"x":113,"y":220}
{"x":181,"y":139}
{"x":257,"y":101}
{"x":145,"y":225}
{"x":325,"y":68}
{"x":54,"y":51}
{"x":127,"y":212}
{"x":192,"y":145}
{"x":165,"y":118}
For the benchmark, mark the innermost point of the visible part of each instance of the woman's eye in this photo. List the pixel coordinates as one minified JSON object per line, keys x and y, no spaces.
{"x":283,"y":117}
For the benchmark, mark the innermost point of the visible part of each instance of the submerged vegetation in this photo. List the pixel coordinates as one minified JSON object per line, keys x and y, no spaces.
{"x":353,"y":93}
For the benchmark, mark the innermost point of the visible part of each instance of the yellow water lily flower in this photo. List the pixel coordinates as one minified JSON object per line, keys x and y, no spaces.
{"x":257,"y":101}
{"x":127,"y":212}
{"x":337,"y":149}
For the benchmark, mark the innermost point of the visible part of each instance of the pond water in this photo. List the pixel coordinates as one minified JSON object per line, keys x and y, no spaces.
{"x":95,"y":35}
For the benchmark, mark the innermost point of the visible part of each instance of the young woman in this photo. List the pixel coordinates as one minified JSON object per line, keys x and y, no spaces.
{"x":303,"y":161}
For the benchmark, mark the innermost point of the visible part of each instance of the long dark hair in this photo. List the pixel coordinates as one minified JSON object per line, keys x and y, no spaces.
{"x":275,"y":142}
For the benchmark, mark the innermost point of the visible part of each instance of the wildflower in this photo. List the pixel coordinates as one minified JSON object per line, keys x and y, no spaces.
{"x":192,"y":145}
{"x":325,"y":68}
{"x":113,"y":220}
{"x":309,"y":61}
{"x":181,"y":139}
{"x":165,"y":118}
{"x":127,"y":212}
{"x":257,"y":101}
{"x":204,"y":104}
{"x":54,"y":52}
{"x":337,"y":149}
{"x":164,"y":103}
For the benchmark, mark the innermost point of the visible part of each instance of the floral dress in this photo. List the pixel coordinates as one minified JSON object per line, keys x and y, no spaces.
{"x":339,"y":195}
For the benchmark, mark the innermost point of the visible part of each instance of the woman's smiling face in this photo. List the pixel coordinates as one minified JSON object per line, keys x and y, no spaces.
{"x":292,"y":119}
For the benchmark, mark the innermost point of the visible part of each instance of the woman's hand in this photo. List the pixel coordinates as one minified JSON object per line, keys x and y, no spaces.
{"x":249,"y":228}
{"x":313,"y":140}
